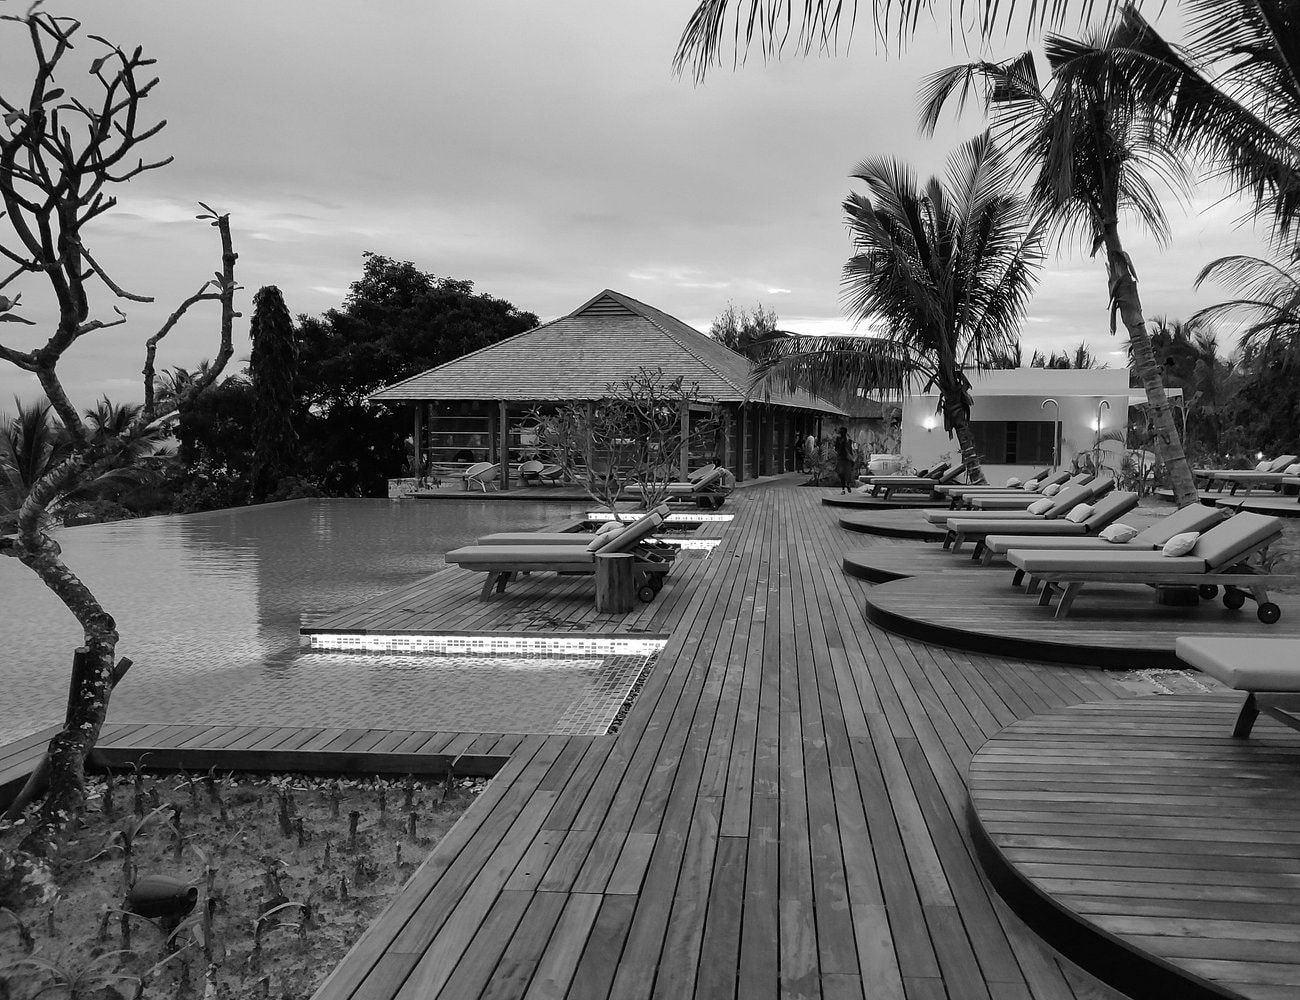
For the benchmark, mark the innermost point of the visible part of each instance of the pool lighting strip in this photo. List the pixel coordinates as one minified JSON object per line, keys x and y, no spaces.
{"x":450,"y":645}
{"x":673,"y":518}
{"x":707,"y":544}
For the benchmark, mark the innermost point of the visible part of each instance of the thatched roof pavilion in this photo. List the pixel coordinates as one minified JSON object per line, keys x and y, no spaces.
{"x":474,"y":408}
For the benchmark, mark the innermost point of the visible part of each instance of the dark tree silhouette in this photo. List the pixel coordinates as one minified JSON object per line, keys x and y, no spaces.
{"x":272,"y":368}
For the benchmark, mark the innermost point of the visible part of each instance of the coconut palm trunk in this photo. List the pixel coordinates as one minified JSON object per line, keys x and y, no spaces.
{"x":1124,"y":295}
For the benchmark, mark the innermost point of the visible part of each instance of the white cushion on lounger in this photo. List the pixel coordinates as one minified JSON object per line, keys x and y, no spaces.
{"x":1051,"y":491}
{"x":609,"y":527}
{"x":1079,"y":512}
{"x":1119,"y":533}
{"x":1243,"y":662}
{"x":1031,"y":485}
{"x":1180,"y":544}
{"x":1040,"y":506}
{"x":1263,"y":466}
{"x":1292,"y":470}
{"x":1013,"y":482}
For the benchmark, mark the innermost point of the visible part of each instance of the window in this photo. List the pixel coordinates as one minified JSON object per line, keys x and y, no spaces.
{"x":1014,"y":442}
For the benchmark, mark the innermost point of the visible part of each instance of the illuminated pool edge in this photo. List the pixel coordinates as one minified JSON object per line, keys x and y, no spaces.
{"x":451,"y":644}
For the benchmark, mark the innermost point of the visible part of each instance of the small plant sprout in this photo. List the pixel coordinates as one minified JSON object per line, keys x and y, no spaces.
{"x":381,"y":791}
{"x":106,"y":804}
{"x":354,"y":817}
{"x":191,"y":785}
{"x":210,"y":782}
{"x":301,"y":830}
{"x":282,"y":812}
{"x":408,"y":793}
{"x":410,"y":825}
{"x":336,"y":797}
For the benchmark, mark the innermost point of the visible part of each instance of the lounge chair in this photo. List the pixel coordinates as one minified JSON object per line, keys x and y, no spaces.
{"x":1106,"y":511}
{"x":1219,"y":558}
{"x":1273,"y":465}
{"x":537,"y":471}
{"x":1196,"y":517}
{"x":1060,"y":505}
{"x":1020,"y":499}
{"x":1254,"y":478}
{"x":701,"y":472}
{"x":1268,"y":670}
{"x":502,"y":562}
{"x":934,"y":472}
{"x":566,"y":537}
{"x":886,"y":486}
{"x":481,"y":474}
{"x":958,"y":493}
{"x":710,"y":490}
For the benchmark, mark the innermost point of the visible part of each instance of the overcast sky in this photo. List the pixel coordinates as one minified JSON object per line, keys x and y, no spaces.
{"x":543,"y":151}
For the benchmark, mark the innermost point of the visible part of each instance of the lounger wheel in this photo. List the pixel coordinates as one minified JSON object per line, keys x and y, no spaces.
{"x":646,"y":593}
{"x":1233,"y":599}
{"x":1208,"y":591}
{"x":1269,"y":613}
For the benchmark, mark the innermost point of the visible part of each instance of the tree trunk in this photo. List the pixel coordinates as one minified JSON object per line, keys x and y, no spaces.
{"x":969,"y":456}
{"x":88,"y":696}
{"x":1124,"y":297}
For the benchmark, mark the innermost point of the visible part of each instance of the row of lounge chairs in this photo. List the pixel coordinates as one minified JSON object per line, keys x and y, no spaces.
{"x":1270,"y":472}
{"x":708,"y":486}
{"x":1057,"y":555}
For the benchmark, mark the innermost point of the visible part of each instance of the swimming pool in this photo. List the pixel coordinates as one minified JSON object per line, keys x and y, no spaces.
{"x":209,"y":607}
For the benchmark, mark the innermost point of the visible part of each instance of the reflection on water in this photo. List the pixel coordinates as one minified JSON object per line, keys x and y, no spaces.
{"x":205,"y":593}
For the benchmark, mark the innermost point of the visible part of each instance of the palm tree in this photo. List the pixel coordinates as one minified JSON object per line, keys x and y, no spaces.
{"x":31,"y":444}
{"x":942,"y":273}
{"x":1088,"y":145}
{"x":1267,"y":306}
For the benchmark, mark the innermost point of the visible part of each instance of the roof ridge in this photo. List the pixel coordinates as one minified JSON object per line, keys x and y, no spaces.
{"x":504,"y":340}
{"x":650,"y":314}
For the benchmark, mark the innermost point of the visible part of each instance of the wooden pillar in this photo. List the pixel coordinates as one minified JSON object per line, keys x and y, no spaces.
{"x":504,"y":419}
{"x":684,"y":464}
{"x":614,"y":584}
{"x":419,"y":442}
{"x":742,"y":440}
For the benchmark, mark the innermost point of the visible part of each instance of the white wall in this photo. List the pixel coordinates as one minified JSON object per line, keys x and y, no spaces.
{"x":1018,"y":394}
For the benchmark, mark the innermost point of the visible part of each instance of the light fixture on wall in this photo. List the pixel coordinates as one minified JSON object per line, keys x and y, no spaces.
{"x":929,"y":423}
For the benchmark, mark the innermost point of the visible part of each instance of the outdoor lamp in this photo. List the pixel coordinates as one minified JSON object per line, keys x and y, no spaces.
{"x":929,"y":424}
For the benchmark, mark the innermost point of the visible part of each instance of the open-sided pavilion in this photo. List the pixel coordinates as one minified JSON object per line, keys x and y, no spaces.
{"x":477,"y":407}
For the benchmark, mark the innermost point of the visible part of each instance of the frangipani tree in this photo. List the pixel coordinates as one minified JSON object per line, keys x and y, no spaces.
{"x":941,"y":271}
{"x":60,"y":155}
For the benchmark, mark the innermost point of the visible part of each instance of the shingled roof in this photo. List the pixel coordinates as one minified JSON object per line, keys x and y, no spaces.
{"x":580,"y":355}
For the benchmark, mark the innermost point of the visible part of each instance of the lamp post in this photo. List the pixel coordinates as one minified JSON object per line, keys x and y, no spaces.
{"x":1102,"y":407}
{"x":1056,"y":429}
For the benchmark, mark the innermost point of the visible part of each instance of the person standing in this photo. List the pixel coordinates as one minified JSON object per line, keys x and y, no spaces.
{"x":844,"y":464}
{"x":810,"y":454}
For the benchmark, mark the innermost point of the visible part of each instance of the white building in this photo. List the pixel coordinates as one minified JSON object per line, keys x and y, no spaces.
{"x":1025,"y":419}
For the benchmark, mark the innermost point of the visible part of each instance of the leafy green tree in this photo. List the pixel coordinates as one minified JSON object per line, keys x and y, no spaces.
{"x":744,"y":331}
{"x":1089,"y":145}
{"x":271,"y":369}
{"x":397,"y":321}
{"x":942,"y":272}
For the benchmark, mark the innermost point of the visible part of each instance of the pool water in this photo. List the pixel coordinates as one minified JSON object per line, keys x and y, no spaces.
{"x":209,"y":607}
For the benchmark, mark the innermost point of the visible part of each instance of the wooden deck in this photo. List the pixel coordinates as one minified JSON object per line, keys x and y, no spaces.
{"x":1135,"y":830}
{"x":782,"y":814}
{"x":1110,"y":625}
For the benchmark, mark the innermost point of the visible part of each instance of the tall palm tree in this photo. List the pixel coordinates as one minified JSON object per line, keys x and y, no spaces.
{"x":1089,"y":146}
{"x":942,"y":274}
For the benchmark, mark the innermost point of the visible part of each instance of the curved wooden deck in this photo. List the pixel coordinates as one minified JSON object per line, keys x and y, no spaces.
{"x":859,"y":501}
{"x":1139,"y":836}
{"x":893,"y":524}
{"x":1111,"y":626}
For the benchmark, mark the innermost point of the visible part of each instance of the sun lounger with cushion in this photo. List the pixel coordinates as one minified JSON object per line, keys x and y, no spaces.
{"x":1268,"y":670}
{"x":1218,"y":558}
{"x":885,"y":486}
{"x":1041,"y":482}
{"x":710,"y":490}
{"x":1019,"y":499}
{"x":1106,"y":511}
{"x":1196,"y":517}
{"x":565,"y":537}
{"x":934,"y":472}
{"x":1251,"y":479}
{"x":1273,"y":465}
{"x":1060,"y":505}
{"x":502,"y":562}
